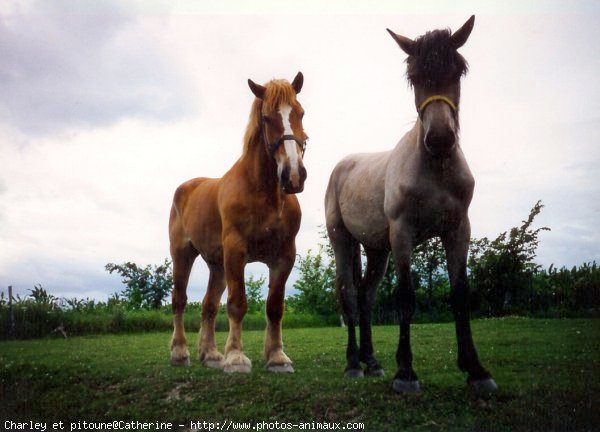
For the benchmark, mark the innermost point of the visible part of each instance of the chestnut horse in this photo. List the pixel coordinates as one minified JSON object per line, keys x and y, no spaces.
{"x":397,"y":199}
{"x":250,"y":214}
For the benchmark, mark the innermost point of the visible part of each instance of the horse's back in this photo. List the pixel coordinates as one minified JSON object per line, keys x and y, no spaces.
{"x":355,"y":196}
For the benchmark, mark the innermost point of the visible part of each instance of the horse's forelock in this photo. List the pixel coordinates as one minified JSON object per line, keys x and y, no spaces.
{"x":277,"y":93}
{"x":437,"y":61}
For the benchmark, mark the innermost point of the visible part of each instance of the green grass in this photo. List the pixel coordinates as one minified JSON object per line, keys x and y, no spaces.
{"x":548,"y":372}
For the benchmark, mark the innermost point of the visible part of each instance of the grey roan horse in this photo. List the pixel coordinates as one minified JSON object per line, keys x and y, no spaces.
{"x":397,"y":199}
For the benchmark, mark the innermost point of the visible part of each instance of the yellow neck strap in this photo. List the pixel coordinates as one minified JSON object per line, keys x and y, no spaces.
{"x":437,"y":98}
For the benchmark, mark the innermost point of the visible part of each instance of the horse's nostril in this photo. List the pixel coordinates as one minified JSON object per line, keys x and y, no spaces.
{"x":285,"y":175}
{"x":302,"y":174}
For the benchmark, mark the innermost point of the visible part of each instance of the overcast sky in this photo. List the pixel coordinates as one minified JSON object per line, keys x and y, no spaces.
{"x":107,"y":106}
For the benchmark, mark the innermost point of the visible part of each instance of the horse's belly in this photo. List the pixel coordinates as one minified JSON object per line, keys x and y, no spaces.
{"x":375,"y":235}
{"x":357,"y":185}
{"x":366,"y":222}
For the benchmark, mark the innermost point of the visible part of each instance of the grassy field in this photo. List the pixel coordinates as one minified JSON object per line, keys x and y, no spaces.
{"x":548,"y":372}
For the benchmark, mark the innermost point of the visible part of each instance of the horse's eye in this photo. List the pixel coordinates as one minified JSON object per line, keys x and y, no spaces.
{"x":268,"y":120}
{"x":301,"y":115}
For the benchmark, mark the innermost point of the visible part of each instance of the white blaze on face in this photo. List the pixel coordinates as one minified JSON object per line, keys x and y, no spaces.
{"x":290,"y":147}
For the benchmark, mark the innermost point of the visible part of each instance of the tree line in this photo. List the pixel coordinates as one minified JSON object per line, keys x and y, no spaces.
{"x":503,"y":276}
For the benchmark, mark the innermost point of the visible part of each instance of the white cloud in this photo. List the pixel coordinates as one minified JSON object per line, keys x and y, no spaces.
{"x":64,"y":67}
{"x":113,"y":109}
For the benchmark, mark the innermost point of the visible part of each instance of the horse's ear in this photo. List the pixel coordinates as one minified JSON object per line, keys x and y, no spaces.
{"x":257,"y":89}
{"x":407,"y":45}
{"x":298,"y":82}
{"x":461,"y":35}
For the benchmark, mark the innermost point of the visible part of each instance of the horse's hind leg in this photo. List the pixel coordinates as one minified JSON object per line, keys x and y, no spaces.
{"x":457,"y":244}
{"x":347,"y":251}
{"x":207,"y":347}
{"x":183,"y":261}
{"x":377,"y":261}
{"x":277,"y":360}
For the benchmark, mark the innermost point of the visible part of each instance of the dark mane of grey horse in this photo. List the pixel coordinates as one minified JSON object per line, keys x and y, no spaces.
{"x":437,"y":62}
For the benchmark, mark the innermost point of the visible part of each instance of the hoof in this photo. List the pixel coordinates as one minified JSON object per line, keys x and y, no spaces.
{"x":354,"y":373}
{"x":237,"y":362}
{"x":279,"y":362}
{"x":374,"y":372}
{"x":487,"y":385}
{"x":180,"y":356}
{"x":185,"y":361}
{"x":283,"y":368}
{"x":213,"y":360}
{"x":401,"y":386}
{"x":213,"y":364}
{"x":245,"y":369}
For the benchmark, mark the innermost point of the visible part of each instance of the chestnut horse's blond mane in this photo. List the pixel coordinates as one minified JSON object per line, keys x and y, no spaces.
{"x":278,"y":92}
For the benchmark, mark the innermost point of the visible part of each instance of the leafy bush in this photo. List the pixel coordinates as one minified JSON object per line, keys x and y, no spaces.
{"x":147,"y":287}
{"x":315,"y":286}
{"x":256,"y":302}
{"x":501,"y":269}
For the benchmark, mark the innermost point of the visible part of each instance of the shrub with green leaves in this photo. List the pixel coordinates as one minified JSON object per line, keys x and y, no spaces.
{"x":146,"y":287}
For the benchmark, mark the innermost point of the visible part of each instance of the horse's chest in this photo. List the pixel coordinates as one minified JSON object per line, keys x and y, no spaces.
{"x":268,"y":234}
{"x":440,"y":210}
{"x":433,"y":207}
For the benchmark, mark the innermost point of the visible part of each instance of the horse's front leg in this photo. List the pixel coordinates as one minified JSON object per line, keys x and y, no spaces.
{"x":234,"y":257}
{"x":277,"y":360}
{"x":402,"y":241}
{"x":456,"y":244}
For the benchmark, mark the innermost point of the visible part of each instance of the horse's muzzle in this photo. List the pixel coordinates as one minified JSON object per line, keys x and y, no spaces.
{"x":290,"y":190}
{"x":439,"y":143}
{"x":293,"y":185}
